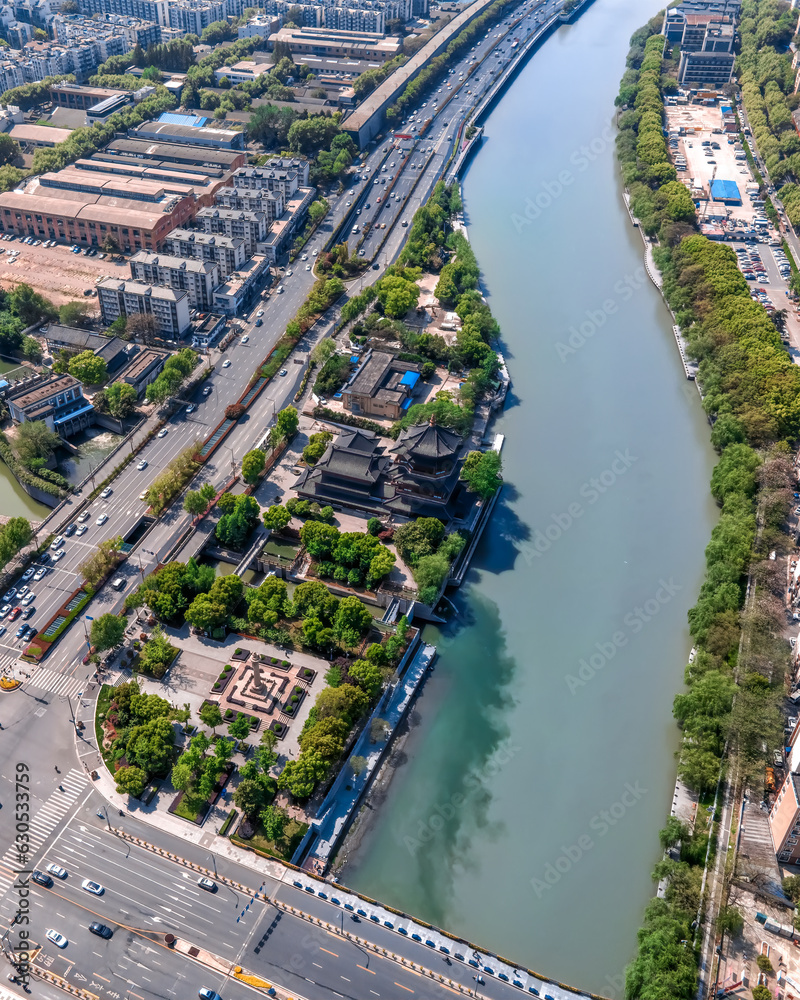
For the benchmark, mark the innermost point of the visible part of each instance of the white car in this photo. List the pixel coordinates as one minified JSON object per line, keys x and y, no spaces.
{"x":58,"y":939}
{"x":162,"y":433}
{"x":5,"y":610}
{"x":57,"y":542}
{"x":142,"y":465}
{"x":93,"y":887}
{"x":246,"y":338}
{"x":41,"y":573}
{"x":191,"y":408}
{"x":106,"y":493}
{"x":282,"y":371}
{"x":29,"y":598}
{"x":308,"y":267}
{"x":279,"y":290}
{"x":314,"y":253}
{"x":102,"y":519}
{"x":28,"y":573}
{"x":288,"y":273}
{"x":226,"y":363}
{"x":59,"y":555}
{"x":304,"y":257}
{"x":84,"y":516}
{"x":207,"y":390}
{"x":58,"y":871}
{"x":260,"y":311}
{"x":82,"y":529}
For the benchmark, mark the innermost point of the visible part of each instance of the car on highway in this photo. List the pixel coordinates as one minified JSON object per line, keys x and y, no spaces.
{"x":260,"y":322}
{"x":29,"y":613}
{"x":162,"y":433}
{"x":279,"y":289}
{"x":207,"y":883}
{"x":191,"y":408}
{"x":143,"y":495}
{"x":40,"y":573}
{"x":106,"y":493}
{"x":57,"y":542}
{"x":29,"y":599}
{"x":282,"y":371}
{"x":23,"y":590}
{"x":21,"y":632}
{"x":246,"y":339}
{"x":289,"y":273}
{"x":226,"y":363}
{"x":101,"y":930}
{"x":41,"y":878}
{"x":207,"y":391}
{"x":142,"y":465}
{"x":84,"y":516}
{"x":9,"y":595}
{"x":28,"y":573}
{"x":206,"y":994}
{"x":308,"y":267}
{"x":314,"y":252}
{"x":82,"y":529}
{"x":4,"y":610}
{"x":58,"y":871}
{"x":69,"y":531}
{"x":102,"y":519}
{"x":3,"y":630}
{"x":15,"y":614}
{"x":58,"y":939}
{"x":260,"y":312}
{"x":93,"y":887}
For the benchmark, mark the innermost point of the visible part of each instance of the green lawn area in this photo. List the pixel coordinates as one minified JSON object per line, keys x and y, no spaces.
{"x":190,"y":806}
{"x":285,"y":848}
{"x":103,"y":705}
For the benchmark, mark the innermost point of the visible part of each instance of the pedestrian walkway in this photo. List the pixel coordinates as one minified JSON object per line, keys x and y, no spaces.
{"x":42,"y":825}
{"x":54,"y":682}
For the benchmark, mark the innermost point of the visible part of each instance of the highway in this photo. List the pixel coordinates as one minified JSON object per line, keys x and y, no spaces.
{"x":39,"y":717}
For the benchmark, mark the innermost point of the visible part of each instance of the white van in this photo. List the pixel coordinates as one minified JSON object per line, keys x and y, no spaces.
{"x":119,"y":583}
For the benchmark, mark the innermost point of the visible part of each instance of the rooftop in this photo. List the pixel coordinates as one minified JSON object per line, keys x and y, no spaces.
{"x":39,"y":133}
{"x":42,"y":392}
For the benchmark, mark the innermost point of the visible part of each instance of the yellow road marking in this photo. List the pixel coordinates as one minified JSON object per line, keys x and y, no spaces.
{"x":365,"y":969}
{"x":96,"y":975}
{"x":404,"y":987}
{"x":329,"y":952}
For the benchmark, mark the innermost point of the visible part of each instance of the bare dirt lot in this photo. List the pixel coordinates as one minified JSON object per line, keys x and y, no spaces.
{"x":56,"y":272}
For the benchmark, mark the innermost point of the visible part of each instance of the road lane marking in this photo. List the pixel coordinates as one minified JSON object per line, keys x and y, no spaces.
{"x":404,"y":987}
{"x":329,"y":952}
{"x":97,"y":975}
{"x":345,"y":978}
{"x":365,"y":969}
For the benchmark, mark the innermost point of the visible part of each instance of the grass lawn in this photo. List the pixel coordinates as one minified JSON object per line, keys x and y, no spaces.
{"x":285,"y":847}
{"x":191,"y":806}
{"x":103,"y":705}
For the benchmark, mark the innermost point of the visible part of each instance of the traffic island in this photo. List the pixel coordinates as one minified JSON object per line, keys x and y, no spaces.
{"x":9,"y":684}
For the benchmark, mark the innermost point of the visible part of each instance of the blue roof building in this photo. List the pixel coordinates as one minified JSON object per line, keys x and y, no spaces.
{"x":726,"y":191}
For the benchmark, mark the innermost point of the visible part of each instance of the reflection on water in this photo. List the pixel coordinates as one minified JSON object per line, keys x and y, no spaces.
{"x":94,"y":445}
{"x":224,"y":568}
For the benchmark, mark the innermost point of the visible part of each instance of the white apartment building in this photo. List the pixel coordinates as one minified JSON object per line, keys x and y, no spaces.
{"x":227,"y":251}
{"x":271,"y":203}
{"x":118,"y":297}
{"x":198,"y":278}
{"x":250,"y":226}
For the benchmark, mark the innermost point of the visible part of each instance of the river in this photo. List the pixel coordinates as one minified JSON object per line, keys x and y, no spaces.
{"x":526,"y":803}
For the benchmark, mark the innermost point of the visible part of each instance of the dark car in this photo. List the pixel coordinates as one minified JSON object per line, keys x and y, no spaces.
{"x":100,"y":930}
{"x":70,"y":531}
{"x":29,"y":612}
{"x":44,"y":558}
{"x":41,"y":878}
{"x":258,"y":322}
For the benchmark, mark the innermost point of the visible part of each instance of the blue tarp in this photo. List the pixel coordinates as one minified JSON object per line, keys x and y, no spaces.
{"x":193,"y":121}
{"x":406,"y":403}
{"x":725,"y":191}
{"x":410,"y":379}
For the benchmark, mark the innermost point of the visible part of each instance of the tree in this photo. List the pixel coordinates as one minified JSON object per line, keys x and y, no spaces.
{"x":299,"y":777}
{"x":109,"y":244}
{"x":107,"y":631}
{"x":157,"y":653}
{"x":151,"y":745}
{"x":31,"y":347}
{"x":74,"y":313}
{"x":346,"y":702}
{"x":29,"y":306}
{"x":287,"y":422}
{"x":253,"y":465}
{"x":240,"y":727}
{"x":250,"y":796}
{"x":764,"y":964}
{"x":274,"y":822}
{"x":761,"y":993}
{"x":375,"y":526}
{"x":351,"y":621}
{"x":731,"y":920}
{"x":88,"y":367}
{"x":211,"y":715}
{"x":35,"y":440}
{"x":377,"y":730}
{"x":357,"y":765}
{"x":481,"y":472}
{"x":143,"y":326}
{"x":130,"y":781}
{"x":368,"y":677}
{"x":121,"y":398}
{"x":235,"y":411}
{"x":398,"y":295}
{"x":276,"y":517}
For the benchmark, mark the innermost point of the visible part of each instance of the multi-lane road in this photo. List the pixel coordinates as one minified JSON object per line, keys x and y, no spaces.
{"x":143,"y":892}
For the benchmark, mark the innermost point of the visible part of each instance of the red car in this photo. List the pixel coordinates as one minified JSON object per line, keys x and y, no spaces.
{"x":15,"y":614}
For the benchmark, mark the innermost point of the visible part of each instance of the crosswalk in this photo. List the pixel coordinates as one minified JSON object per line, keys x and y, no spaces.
{"x":54,"y":682}
{"x":43,"y":823}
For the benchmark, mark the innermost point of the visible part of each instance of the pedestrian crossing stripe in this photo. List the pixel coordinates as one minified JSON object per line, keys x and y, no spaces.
{"x":50,"y":814}
{"x":54,"y":682}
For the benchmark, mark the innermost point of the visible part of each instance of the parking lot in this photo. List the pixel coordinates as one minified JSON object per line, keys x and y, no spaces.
{"x":55,"y":271}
